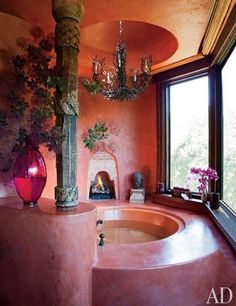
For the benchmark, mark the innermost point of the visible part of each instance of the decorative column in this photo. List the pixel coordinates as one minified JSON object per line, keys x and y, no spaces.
{"x":67,"y":14}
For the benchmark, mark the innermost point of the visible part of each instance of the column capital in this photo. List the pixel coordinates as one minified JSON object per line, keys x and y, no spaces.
{"x":73,"y":9}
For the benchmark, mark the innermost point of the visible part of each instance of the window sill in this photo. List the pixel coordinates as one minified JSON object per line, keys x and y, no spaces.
{"x":168,"y":200}
{"x":223,"y":217}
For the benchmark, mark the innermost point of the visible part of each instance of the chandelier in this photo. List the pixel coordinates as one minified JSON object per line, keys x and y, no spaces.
{"x":115,"y":84}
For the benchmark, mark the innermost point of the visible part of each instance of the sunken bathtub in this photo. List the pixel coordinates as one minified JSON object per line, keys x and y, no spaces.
{"x":137,"y":225}
{"x":157,"y":256}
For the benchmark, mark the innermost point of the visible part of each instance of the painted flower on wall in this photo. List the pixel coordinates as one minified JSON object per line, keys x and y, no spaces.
{"x":95,"y":134}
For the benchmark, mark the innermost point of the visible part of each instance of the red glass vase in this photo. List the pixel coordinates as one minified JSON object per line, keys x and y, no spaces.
{"x":30,"y":174}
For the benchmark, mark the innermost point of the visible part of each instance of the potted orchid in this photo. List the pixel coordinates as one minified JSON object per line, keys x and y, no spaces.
{"x":204,"y":176}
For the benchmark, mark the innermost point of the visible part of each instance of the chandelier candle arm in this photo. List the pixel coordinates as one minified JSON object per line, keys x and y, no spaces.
{"x":115,"y":84}
{"x":97,"y":68}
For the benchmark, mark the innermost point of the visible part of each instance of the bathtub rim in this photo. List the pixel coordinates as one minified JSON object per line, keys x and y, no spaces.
{"x":180,"y":223}
{"x":151,"y":255}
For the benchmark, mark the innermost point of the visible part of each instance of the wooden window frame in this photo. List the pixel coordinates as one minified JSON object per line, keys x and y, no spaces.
{"x":225,"y":218}
{"x":163,"y":81}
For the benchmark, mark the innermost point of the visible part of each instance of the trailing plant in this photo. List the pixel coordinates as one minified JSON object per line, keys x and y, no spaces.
{"x":27,"y":88}
{"x":95,"y":134}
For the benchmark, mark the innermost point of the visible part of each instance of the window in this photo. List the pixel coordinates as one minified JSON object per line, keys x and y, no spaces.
{"x":188,"y":127}
{"x":229,"y":131}
{"x":196,"y":126}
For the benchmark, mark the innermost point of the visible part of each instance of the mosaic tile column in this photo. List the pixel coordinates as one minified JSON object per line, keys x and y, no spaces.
{"x":67,"y":14}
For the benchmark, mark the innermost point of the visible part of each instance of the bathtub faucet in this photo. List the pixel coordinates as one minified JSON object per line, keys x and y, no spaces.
{"x":101,"y":242}
{"x":99,"y":221}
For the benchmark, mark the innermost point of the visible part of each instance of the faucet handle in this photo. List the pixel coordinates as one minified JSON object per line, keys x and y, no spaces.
{"x":101,"y":242}
{"x":99,"y":221}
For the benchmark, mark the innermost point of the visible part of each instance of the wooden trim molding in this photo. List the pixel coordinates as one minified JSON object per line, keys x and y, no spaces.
{"x":189,"y":69}
{"x":226,"y":40}
{"x":156,"y":70}
{"x":219,"y":15}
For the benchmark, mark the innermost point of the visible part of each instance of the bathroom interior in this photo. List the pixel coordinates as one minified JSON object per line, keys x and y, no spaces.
{"x":95,"y":237}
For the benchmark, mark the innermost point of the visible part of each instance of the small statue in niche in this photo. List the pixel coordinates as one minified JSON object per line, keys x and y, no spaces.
{"x":137,"y":193}
{"x":137,"y":180}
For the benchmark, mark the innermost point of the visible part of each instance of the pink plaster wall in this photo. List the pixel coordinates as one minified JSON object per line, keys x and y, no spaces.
{"x":46,"y":254}
{"x":132,"y":140}
{"x":132,"y":126}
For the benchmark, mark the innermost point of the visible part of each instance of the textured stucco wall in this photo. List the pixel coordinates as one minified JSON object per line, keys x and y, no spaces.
{"x":132,"y":140}
{"x":132,"y":128}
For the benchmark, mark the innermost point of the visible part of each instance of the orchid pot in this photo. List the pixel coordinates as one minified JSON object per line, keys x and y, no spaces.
{"x":204,"y":196}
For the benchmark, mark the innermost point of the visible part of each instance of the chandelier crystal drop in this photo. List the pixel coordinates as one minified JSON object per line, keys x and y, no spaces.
{"x":115,"y":84}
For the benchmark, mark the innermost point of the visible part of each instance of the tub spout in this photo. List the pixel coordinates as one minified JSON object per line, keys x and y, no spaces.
{"x":99,"y":221}
{"x":101,"y":242}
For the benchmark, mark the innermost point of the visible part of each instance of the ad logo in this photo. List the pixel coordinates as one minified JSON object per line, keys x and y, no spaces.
{"x":225,"y":296}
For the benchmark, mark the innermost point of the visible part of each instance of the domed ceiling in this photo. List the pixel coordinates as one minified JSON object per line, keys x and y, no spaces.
{"x":169,"y":30}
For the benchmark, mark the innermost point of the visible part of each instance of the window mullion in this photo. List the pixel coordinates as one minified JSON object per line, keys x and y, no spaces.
{"x":215,"y":126}
{"x":162,"y":152}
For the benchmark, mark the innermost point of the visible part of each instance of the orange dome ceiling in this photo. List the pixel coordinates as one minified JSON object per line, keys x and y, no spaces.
{"x":169,"y":30}
{"x":140,"y":39}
